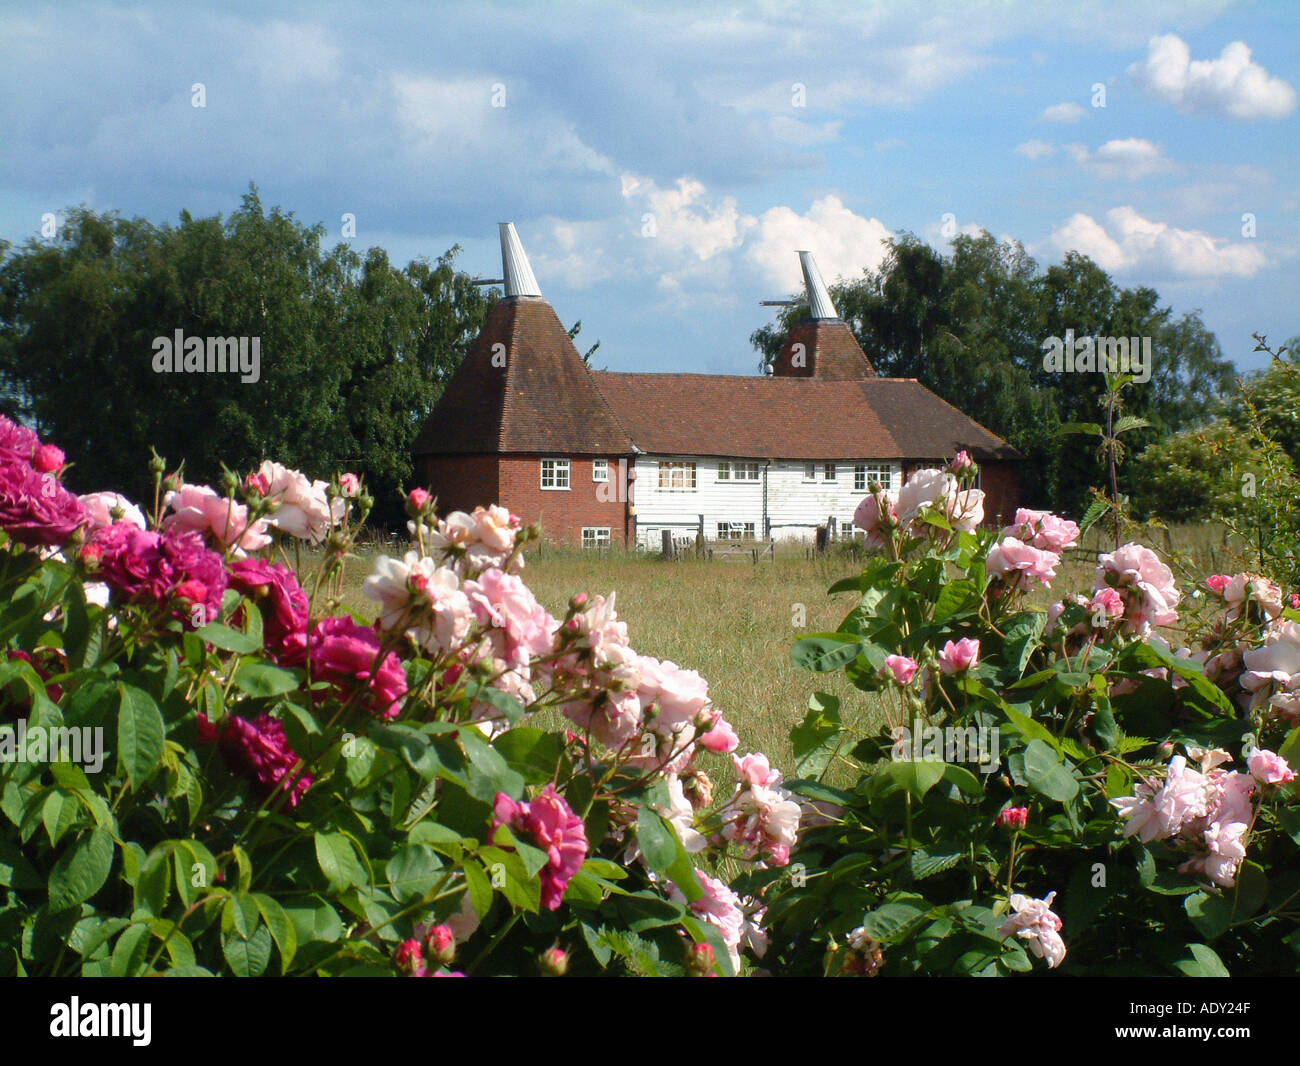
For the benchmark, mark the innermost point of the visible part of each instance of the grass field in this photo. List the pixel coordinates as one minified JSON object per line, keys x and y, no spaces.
{"x":733,"y":621}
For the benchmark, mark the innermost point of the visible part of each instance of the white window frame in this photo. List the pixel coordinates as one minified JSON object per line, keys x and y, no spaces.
{"x":744,"y":470}
{"x":830,"y":472}
{"x":600,"y":470}
{"x":600,"y":537}
{"x":558,"y":467}
{"x":863,"y":476}
{"x":737,"y":531}
{"x":809,"y":472}
{"x":685,"y":469}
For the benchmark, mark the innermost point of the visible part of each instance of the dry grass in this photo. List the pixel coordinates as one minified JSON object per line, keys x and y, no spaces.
{"x":733,"y":620}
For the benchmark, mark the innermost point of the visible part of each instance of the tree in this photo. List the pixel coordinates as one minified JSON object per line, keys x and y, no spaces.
{"x":353,"y":352}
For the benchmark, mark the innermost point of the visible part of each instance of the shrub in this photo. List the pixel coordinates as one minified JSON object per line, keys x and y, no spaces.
{"x":207,"y":767}
{"x":1051,"y":788}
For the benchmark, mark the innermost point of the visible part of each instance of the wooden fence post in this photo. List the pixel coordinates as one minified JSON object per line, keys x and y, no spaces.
{"x":667,"y":542}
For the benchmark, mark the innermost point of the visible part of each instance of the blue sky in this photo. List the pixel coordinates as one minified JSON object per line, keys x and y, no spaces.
{"x":663,"y":164}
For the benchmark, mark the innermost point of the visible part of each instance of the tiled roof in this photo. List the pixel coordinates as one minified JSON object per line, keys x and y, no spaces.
{"x":830,"y":351}
{"x":793,"y":418}
{"x":542,"y":400}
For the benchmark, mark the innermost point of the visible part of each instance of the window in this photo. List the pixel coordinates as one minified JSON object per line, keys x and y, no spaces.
{"x":600,"y":470}
{"x":810,"y":472}
{"x":865,"y":473}
{"x":728,"y":471}
{"x":677,"y":477}
{"x":828,"y":471}
{"x":595,"y":536}
{"x":735,"y":531}
{"x":555,"y":473}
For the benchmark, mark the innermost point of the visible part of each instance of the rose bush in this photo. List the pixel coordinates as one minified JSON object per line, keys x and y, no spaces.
{"x":1052,"y":787}
{"x":469,"y":785}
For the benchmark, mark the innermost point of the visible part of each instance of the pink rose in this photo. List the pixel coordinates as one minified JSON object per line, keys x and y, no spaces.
{"x":900,"y":667}
{"x":1021,"y":564}
{"x":17,"y":442}
{"x":258,"y":749}
{"x":35,"y":509}
{"x":419,"y":498}
{"x":1012,"y":817}
{"x":101,"y":505}
{"x":721,"y":738}
{"x":409,"y":959}
{"x":350,"y":485}
{"x":1134,"y":566}
{"x":343,"y":653}
{"x":1217,"y":582}
{"x":953,"y":658}
{"x":201,"y":509}
{"x":1269,"y":768}
{"x":283,"y":602}
{"x":868,"y":517}
{"x":1033,"y":921}
{"x":1106,"y":601}
{"x":755,"y":770}
{"x":960,"y":462}
{"x":47,"y":458}
{"x":555,"y":829}
{"x":1044,"y":530}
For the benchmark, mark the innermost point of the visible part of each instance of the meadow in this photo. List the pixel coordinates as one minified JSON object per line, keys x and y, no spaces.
{"x":735,"y":621}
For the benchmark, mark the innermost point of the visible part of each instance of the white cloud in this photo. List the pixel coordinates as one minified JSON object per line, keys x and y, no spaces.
{"x":844,"y":243}
{"x":1233,"y":85}
{"x":684,"y":219}
{"x":1128,"y":242}
{"x":1130,"y":157}
{"x":1035,"y":149}
{"x":1065,"y":112}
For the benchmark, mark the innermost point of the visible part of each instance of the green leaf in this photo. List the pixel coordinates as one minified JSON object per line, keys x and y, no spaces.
{"x":816,"y":738}
{"x":227,"y":639}
{"x":1126,"y":422}
{"x":140,"y":735}
{"x":154,"y":883}
{"x":918,"y":777}
{"x":130,"y":951}
{"x":1095,"y":510}
{"x":262,"y":680}
{"x":892,"y":921}
{"x":338,"y":861}
{"x":413,"y":870}
{"x":1046,"y":773}
{"x":81,"y":870}
{"x":657,"y":841}
{"x":281,"y":927}
{"x":531,"y":752}
{"x":15,"y":871}
{"x":1202,"y":963}
{"x":824,"y":652}
{"x":926,"y":863}
{"x":247,"y":958}
{"x":1210,"y":914}
{"x":59,"y":814}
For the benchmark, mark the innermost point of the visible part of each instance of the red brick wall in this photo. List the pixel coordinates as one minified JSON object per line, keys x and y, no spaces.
{"x":462,"y":483}
{"x":563,"y":514}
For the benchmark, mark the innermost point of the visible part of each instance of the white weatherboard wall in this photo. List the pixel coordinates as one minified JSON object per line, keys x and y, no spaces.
{"x":795,"y":506}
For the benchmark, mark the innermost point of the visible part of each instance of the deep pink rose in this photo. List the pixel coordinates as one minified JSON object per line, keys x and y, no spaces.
{"x":349,"y":484}
{"x":47,"y":459}
{"x":409,"y":959}
{"x":1012,"y":817}
{"x":555,"y":829}
{"x":35,"y":509}
{"x":258,"y":749}
{"x":343,"y":653}
{"x":274,"y":588}
{"x":17,"y":442}
{"x":145,"y":566}
{"x":419,"y":498}
{"x":1217,"y":582}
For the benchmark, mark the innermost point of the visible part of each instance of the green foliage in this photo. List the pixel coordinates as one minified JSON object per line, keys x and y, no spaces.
{"x":913,"y":868}
{"x":354,"y":352}
{"x":971,"y":325}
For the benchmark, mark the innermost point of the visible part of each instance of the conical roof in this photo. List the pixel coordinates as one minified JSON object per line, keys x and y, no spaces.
{"x":522,"y":386}
{"x":821,"y":345}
